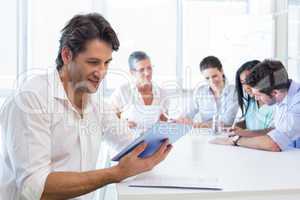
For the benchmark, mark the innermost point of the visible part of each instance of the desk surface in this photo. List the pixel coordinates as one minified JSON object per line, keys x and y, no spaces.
{"x":244,"y":173}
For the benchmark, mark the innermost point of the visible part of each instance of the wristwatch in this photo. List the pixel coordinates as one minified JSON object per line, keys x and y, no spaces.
{"x":235,"y":140}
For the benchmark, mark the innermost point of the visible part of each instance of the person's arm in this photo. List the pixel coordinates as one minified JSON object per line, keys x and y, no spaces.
{"x":241,"y":124}
{"x":249,"y":133}
{"x":207,"y":124}
{"x":260,"y":142}
{"x":116,"y":102}
{"x":163,"y":117}
{"x":28,"y":139}
{"x":65,"y":185}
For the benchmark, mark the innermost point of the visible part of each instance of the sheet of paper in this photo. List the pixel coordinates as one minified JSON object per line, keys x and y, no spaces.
{"x":176,"y":181}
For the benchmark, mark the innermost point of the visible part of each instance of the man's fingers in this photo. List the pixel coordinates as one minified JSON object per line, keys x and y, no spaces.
{"x":139,"y":149}
{"x":161,"y":153}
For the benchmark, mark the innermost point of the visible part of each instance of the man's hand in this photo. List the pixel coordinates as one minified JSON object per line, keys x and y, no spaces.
{"x":131,"y":164}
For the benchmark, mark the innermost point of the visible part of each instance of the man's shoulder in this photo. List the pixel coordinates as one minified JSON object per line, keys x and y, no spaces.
{"x":38,"y":83}
{"x":35,"y":89}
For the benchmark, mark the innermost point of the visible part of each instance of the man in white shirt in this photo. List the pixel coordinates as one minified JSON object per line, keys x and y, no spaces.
{"x":52,"y":128}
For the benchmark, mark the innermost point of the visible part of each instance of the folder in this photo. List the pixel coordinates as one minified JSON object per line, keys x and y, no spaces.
{"x":154,"y":137}
{"x":175,"y":181}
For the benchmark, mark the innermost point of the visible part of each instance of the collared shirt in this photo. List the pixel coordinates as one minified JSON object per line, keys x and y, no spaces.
{"x":287,"y":118}
{"x":43,"y":133}
{"x":205,"y":105}
{"x":128,"y":100}
{"x":258,"y":118}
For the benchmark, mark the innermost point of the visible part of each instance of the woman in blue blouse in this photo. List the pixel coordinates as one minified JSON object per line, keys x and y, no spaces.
{"x":257,"y":117}
{"x":217,"y":95}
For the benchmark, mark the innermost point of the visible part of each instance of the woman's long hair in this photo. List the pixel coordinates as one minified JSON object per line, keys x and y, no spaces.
{"x":243,"y":100}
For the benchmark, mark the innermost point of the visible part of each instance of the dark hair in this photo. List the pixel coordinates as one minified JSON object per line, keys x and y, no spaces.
{"x":248,"y":66}
{"x":83,"y":28}
{"x":210,"y":62}
{"x":267,"y":76}
{"x":135,"y":57}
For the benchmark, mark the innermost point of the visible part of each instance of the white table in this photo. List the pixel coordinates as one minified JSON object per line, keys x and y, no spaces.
{"x":245,"y":174}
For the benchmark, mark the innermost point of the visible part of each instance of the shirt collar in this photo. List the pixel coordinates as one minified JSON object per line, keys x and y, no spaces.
{"x":58,"y":92}
{"x":56,"y":86}
{"x":294,"y":88}
{"x":225,"y":89}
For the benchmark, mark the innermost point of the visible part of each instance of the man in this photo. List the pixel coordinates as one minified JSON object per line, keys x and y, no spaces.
{"x":270,"y":84}
{"x":52,"y":128}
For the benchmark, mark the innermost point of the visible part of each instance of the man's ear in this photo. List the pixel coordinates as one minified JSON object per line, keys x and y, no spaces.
{"x":132,"y":72}
{"x":66,"y":55}
{"x":274,"y":93}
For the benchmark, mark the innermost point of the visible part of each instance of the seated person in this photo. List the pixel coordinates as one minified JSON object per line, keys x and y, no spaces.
{"x":216,"y":95}
{"x":270,"y":84}
{"x":258,"y":117}
{"x":141,"y":94}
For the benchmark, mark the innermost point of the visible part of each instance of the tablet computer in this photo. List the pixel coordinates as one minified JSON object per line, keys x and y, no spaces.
{"x":154,"y":137}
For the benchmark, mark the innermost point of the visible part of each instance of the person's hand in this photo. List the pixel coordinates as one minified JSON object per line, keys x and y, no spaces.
{"x":131,"y":164}
{"x":222,"y":141}
{"x":184,"y":120}
{"x":131,"y":124}
{"x":237,"y":131}
{"x":201,"y":125}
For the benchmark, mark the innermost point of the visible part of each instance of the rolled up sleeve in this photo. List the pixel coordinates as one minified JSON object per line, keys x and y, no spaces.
{"x":287,"y":129}
{"x":281,"y":139}
{"x":29,"y":144}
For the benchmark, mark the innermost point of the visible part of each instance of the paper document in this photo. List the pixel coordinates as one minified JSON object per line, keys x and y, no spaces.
{"x":175,"y":181}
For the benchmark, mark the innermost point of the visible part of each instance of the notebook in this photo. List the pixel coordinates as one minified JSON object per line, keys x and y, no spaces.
{"x":154,"y":137}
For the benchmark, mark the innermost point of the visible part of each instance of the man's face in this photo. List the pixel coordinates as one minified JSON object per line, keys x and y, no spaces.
{"x":266,"y":99}
{"x":88,"y":68}
{"x":143,"y":71}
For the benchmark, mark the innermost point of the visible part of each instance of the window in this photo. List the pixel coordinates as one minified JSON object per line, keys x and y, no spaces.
{"x":144,"y":25}
{"x":235,"y":31}
{"x":45,"y":21}
{"x":8,"y":47}
{"x":294,"y":39}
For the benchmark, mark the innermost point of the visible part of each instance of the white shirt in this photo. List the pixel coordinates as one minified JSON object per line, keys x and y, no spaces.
{"x":205,"y":105}
{"x":129,"y":101}
{"x":43,"y":133}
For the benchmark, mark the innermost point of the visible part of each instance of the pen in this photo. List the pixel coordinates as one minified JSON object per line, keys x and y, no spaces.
{"x":232,"y":127}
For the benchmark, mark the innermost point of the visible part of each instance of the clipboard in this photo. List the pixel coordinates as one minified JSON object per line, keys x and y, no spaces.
{"x":154,"y":137}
